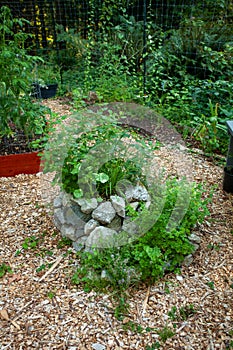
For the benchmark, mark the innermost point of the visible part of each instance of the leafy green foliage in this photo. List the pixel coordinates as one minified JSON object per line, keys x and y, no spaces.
{"x":154,"y":346}
{"x":181,"y":314}
{"x":110,"y":173}
{"x":189,"y":79}
{"x":148,"y":258}
{"x":166,"y":333}
{"x":4,"y":268}
{"x":30,"y":242}
{"x":16,"y":107}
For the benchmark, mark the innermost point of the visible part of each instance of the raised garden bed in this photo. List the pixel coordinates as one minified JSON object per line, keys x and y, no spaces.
{"x":15,"y":164}
{"x":17,"y":157}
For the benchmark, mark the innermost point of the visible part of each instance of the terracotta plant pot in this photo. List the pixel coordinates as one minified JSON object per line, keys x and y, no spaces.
{"x":24,"y":163}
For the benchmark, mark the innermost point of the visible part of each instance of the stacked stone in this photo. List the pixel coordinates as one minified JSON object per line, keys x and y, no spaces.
{"x":93,"y":223}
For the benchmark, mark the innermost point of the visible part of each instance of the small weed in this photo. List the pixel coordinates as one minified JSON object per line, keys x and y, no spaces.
{"x":132,"y":326}
{"x":4,"y":269}
{"x":33,"y":242}
{"x":30,"y":242}
{"x":165,"y":334}
{"x":154,"y":346}
{"x":41,"y":268}
{"x":69,"y":252}
{"x":186,"y":311}
{"x":211,"y":285}
{"x":64,"y":242}
{"x":214,"y":247}
{"x":149,"y":329}
{"x":18,"y":252}
{"x":173,"y":313}
{"x":49,"y":252}
{"x":181,"y":314}
{"x":121,"y":309}
{"x":51,"y":295}
{"x":229,"y":345}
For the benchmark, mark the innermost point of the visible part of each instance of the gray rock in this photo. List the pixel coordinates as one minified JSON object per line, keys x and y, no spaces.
{"x":66,"y":199}
{"x":79,"y":201}
{"x":68,"y":231}
{"x":118,"y":204}
{"x":59,"y":217}
{"x":148,"y":203}
{"x":125,"y":190}
{"x":104,"y":213}
{"x":90,"y":226}
{"x":140,"y":193}
{"x":194,"y":238}
{"x":79,"y":231}
{"x":188,"y":260}
{"x":115,"y":224}
{"x":134,"y":205}
{"x":98,"y":346}
{"x":58,"y":201}
{"x":130,"y":226}
{"x":79,"y":244}
{"x":73,"y":218}
{"x":101,"y":237}
{"x":87,"y":204}
{"x":77,"y":210}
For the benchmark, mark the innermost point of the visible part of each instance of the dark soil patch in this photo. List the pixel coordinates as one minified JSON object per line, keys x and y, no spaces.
{"x":17,"y":143}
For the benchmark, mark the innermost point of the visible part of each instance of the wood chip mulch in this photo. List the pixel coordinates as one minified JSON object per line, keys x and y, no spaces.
{"x":41,"y":309}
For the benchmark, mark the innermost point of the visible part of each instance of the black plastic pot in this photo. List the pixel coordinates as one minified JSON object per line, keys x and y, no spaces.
{"x":228,"y":180}
{"x":44,"y":92}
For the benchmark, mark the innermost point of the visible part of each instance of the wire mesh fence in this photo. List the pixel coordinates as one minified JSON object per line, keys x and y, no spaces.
{"x":136,"y":22}
{"x":151,"y":38}
{"x":173,"y":55}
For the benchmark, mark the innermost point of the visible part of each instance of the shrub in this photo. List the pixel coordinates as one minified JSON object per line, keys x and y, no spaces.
{"x":16,"y":107}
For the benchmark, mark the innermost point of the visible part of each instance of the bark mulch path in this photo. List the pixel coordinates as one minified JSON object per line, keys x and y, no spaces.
{"x":41,"y":309}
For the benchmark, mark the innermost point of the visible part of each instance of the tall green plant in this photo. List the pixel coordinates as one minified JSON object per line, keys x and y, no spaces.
{"x":16,"y":109}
